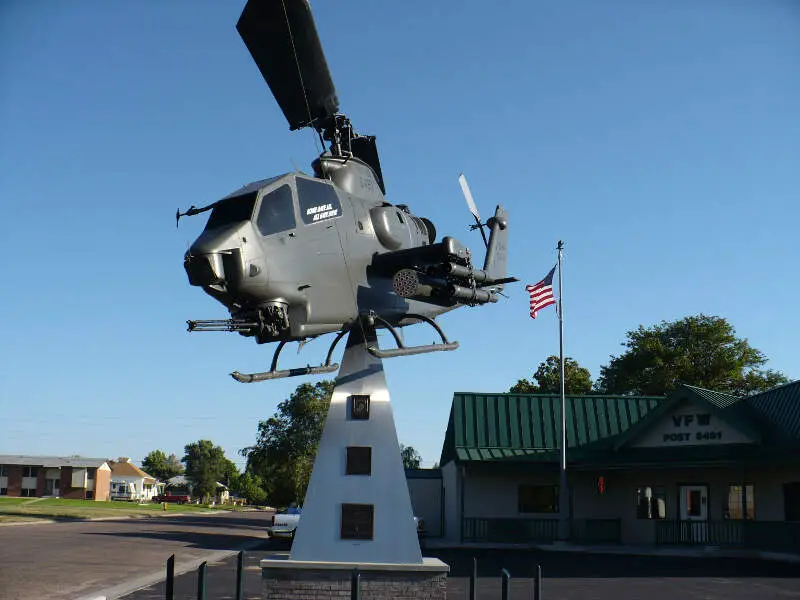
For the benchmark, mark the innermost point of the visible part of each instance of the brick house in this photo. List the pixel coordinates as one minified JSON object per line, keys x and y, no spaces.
{"x":72,"y":477}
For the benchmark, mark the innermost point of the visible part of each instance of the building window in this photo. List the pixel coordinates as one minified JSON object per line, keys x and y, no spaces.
{"x":30,"y":472}
{"x":791,"y":501}
{"x":537,"y":498}
{"x":651,"y":502}
{"x":28,"y":492}
{"x":3,"y":471}
{"x":3,"y":491}
{"x":90,"y":474}
{"x":740,"y":503}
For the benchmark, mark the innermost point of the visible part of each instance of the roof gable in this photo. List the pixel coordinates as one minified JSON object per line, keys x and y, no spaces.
{"x":693,"y":416}
{"x":128,"y":469}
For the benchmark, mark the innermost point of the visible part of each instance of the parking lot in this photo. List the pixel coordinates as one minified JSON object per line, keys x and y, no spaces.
{"x":567,"y":576}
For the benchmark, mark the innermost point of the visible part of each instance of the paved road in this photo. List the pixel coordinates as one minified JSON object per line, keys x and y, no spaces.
{"x":567,"y":576}
{"x":70,"y":560}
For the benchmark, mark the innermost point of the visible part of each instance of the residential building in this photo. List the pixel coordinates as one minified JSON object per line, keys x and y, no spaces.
{"x":181,"y":485}
{"x":72,"y":477}
{"x":129,"y":482}
{"x":696,"y":467}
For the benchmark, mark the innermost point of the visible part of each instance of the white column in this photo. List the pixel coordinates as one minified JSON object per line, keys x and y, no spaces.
{"x":318,"y":536}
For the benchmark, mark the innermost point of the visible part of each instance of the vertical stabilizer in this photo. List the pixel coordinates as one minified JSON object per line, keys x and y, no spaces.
{"x":497,"y":252}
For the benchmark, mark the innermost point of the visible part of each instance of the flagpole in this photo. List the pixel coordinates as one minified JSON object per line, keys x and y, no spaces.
{"x":563,"y":494}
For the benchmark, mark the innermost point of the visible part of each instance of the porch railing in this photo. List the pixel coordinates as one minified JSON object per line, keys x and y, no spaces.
{"x":498,"y":530}
{"x":510,"y":530}
{"x":776,"y":536}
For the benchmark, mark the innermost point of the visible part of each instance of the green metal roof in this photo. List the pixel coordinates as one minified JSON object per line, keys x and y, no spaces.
{"x":527,"y":426}
{"x":780,"y":407}
{"x":717,"y":399}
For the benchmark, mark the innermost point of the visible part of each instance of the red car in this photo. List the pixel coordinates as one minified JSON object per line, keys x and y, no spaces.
{"x":179,"y":498}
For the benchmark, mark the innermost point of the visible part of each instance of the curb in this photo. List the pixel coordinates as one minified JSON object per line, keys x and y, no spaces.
{"x":144,"y":581}
{"x":51,"y":520}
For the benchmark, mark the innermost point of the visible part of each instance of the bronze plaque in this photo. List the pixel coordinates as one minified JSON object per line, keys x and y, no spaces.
{"x":359,"y":407}
{"x":359,"y":460}
{"x":357,"y":521}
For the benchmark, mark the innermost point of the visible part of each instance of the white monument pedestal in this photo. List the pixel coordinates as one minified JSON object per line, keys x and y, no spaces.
{"x":357,"y":511}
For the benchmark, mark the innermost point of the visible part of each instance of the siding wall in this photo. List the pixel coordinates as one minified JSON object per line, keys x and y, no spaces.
{"x":495,"y":496}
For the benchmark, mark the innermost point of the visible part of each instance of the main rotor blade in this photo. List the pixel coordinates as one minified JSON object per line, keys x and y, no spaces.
{"x":283,"y":41}
{"x":468,"y":195}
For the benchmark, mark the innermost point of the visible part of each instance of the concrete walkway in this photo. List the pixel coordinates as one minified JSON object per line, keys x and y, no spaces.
{"x":676,"y":551}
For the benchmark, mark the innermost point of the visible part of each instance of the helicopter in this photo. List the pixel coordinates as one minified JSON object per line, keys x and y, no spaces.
{"x":296,"y":256}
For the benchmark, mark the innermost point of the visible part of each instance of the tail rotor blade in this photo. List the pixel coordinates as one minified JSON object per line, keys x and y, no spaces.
{"x":468,"y":196}
{"x":283,"y":41}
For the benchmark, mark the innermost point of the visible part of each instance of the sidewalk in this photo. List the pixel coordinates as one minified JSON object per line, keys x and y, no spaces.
{"x":679,"y":551}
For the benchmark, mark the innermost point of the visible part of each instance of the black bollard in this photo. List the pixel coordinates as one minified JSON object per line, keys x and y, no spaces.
{"x":240,"y":576}
{"x":537,"y":583}
{"x":169,"y":593}
{"x":505,"y":577}
{"x":355,"y":585}
{"x":473,"y":580}
{"x":201,"y":582}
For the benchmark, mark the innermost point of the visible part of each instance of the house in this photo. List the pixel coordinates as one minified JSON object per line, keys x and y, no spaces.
{"x":695,"y":467}
{"x":73,"y":477}
{"x":181,"y":485}
{"x":129,"y":482}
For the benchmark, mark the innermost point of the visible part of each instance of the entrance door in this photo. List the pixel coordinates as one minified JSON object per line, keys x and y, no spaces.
{"x":51,"y":487}
{"x":694,"y":514}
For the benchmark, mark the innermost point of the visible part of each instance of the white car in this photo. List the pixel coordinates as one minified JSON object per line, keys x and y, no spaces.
{"x":285,"y":524}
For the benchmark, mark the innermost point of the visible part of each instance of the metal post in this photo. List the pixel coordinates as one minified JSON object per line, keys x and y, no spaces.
{"x":537,"y":583}
{"x":505,"y":582}
{"x":169,"y":593}
{"x":355,"y":585}
{"x":473,"y":580}
{"x":201,"y":582}
{"x":563,"y":498}
{"x":240,"y":576}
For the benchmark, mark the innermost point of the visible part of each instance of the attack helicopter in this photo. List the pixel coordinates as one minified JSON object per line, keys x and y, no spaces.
{"x":297,"y":256}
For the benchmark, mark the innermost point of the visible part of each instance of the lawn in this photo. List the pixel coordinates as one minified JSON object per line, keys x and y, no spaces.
{"x":25,"y":508}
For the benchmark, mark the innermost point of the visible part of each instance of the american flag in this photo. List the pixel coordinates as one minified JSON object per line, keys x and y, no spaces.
{"x":541,"y":293}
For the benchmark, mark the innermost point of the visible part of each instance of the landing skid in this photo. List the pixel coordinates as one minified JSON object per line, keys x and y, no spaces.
{"x":370,"y":321}
{"x":274,"y":373}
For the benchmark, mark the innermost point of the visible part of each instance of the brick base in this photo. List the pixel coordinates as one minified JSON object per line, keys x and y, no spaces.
{"x":328,"y":584}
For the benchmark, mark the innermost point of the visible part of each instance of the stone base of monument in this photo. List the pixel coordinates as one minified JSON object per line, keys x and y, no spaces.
{"x":285,"y":579}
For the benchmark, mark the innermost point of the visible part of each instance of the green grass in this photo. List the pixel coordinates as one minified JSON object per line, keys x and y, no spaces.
{"x":26,"y":508}
{"x":6,"y":501}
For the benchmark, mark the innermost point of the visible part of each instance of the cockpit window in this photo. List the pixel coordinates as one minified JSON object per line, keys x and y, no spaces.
{"x":318,"y":201}
{"x":277,"y":211}
{"x":232,"y":210}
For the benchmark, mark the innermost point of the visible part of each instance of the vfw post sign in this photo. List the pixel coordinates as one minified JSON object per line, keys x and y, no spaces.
{"x":691,"y":425}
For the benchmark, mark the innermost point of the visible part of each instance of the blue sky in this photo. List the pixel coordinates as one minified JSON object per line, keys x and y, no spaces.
{"x":660,"y":140}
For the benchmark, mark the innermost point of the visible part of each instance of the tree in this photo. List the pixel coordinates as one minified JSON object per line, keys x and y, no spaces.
{"x":577,"y":379}
{"x":697,"y":350}
{"x":161,"y":466}
{"x":411,"y":458}
{"x":286,"y":443}
{"x":250,"y":487}
{"x":205,"y":466}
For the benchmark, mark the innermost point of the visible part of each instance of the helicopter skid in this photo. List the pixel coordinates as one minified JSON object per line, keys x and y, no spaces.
{"x":269,"y":375}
